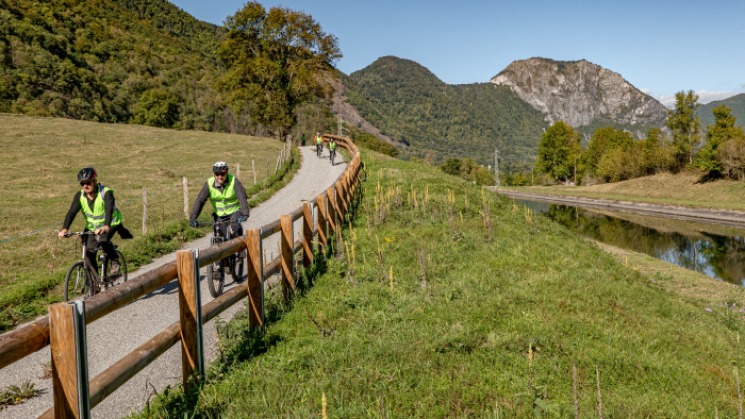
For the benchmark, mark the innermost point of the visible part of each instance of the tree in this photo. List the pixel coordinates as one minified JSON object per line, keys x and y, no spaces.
{"x":602,"y":142}
{"x":685,"y":126}
{"x":275,"y":61}
{"x":559,"y":152}
{"x":720,"y":131}
{"x":157,"y":108}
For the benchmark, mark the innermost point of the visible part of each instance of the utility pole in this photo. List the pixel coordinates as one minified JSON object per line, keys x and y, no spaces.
{"x":339,"y":126}
{"x":496,"y":168}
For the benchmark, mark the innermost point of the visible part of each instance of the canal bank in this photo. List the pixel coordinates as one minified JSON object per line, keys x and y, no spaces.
{"x":720,"y":217}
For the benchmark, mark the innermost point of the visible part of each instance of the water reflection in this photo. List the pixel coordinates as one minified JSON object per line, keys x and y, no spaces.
{"x":695,"y":246}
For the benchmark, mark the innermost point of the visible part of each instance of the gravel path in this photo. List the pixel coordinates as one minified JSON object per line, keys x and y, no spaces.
{"x":720,"y":217}
{"x":114,"y":336}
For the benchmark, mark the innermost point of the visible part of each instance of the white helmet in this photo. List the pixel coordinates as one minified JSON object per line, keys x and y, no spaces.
{"x":220,"y":166}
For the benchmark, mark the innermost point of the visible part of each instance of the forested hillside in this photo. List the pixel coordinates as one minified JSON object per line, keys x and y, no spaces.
{"x":142,"y":61}
{"x":438,"y":121}
{"x":736,"y":103}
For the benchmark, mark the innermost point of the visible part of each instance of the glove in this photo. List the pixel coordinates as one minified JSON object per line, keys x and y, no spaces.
{"x":242,"y":218}
{"x":193,"y":223}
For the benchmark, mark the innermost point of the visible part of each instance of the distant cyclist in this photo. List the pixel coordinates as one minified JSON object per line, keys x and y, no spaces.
{"x":332,"y":149}
{"x":318,"y":140}
{"x":228,"y":198}
{"x":101,"y":216}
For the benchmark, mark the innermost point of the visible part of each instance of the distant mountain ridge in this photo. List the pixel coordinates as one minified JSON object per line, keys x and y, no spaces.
{"x":436,"y":121}
{"x":735,"y":103}
{"x":581,"y":94}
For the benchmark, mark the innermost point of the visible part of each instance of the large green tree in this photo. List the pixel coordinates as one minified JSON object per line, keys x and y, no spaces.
{"x":559,"y":152}
{"x":276,"y":61}
{"x":603,"y":141}
{"x":717,"y":133}
{"x":685,"y":126}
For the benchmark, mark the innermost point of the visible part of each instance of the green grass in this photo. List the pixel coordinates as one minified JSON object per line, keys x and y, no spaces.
{"x":683,"y":189}
{"x":39,"y":161}
{"x":488,"y":310}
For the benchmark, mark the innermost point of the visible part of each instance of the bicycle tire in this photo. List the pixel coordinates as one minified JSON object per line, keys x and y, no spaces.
{"x":237,"y":271}
{"x":81,"y":285}
{"x":215,"y":281}
{"x":122,"y":270}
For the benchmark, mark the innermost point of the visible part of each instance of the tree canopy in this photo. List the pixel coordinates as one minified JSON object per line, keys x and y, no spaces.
{"x":276,"y":61}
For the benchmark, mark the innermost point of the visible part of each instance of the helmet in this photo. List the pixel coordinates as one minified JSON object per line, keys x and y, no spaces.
{"x":86,"y":173}
{"x":220,"y":166}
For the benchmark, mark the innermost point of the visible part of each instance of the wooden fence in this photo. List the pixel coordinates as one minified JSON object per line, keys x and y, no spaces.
{"x":64,"y":328}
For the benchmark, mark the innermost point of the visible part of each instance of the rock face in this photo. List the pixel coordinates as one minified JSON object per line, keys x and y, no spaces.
{"x":581,"y":93}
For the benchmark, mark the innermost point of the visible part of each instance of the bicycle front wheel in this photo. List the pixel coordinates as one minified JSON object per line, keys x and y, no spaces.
{"x":77,"y":282}
{"x":237,"y":271}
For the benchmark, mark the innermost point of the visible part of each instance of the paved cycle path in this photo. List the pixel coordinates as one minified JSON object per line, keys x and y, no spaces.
{"x":117,"y":334}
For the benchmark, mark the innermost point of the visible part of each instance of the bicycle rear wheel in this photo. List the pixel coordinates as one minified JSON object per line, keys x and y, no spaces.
{"x":237,"y":271}
{"x":78,"y":282}
{"x":215,"y":280}
{"x":119,"y":277}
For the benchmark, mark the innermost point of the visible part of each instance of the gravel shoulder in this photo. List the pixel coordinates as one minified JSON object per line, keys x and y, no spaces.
{"x":706,"y":215}
{"x":119,"y":333}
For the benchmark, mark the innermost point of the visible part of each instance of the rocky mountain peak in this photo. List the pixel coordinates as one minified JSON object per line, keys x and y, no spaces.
{"x":580,"y":93}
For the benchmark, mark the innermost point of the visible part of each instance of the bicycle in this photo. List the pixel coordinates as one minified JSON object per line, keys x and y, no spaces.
{"x":319,"y":150}
{"x":332,"y":155}
{"x":233,"y":264}
{"x":82,"y":280}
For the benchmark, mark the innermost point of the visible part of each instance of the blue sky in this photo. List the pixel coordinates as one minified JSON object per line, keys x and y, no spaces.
{"x":659,"y":46}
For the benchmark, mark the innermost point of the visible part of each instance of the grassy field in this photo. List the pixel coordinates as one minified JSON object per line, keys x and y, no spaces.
{"x":39,"y":161}
{"x":668,"y":189}
{"x":451,"y":302}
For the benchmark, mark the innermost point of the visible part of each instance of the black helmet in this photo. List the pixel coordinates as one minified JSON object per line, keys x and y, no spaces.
{"x":86,"y":174}
{"x":220,"y":166}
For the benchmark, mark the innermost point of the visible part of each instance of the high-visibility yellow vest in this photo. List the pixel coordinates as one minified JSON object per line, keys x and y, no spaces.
{"x":95,"y":217}
{"x":226,"y":202}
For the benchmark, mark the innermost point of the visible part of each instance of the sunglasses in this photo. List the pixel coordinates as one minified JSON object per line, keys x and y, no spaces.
{"x":88,"y":182}
{"x":221,"y":173}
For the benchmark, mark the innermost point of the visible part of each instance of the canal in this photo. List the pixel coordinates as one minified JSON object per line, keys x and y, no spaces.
{"x":716,"y":251}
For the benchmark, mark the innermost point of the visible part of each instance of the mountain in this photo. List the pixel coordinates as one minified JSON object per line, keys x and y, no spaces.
{"x":99,"y":60}
{"x":736,"y":103}
{"x":582,"y":94}
{"x":436,"y":121}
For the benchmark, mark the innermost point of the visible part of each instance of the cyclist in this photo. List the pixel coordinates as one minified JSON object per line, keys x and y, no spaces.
{"x":318,"y":140}
{"x":228,"y":198}
{"x":101,"y":216}
{"x":332,"y":148}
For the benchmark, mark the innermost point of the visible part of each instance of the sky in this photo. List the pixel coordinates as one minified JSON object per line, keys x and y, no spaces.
{"x":659,"y":46}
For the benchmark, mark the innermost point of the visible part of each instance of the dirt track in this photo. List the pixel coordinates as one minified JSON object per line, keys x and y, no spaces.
{"x":117,"y":334}
{"x":720,"y":217}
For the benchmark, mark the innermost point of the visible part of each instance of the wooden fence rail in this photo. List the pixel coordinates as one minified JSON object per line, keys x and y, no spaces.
{"x":331,"y":206}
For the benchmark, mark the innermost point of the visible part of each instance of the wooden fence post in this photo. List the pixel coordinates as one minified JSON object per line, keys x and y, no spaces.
{"x":321,"y":201}
{"x":190,"y":315}
{"x":307,"y":234}
{"x":331,"y":194}
{"x":288,"y":267}
{"x":341,"y":201}
{"x":69,"y":360}
{"x":144,"y":210}
{"x":186,"y":197}
{"x":238,"y":170}
{"x":255,"y":282}
{"x":253,"y":169}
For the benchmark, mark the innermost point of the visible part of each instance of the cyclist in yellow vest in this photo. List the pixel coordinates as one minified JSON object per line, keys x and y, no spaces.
{"x":228,"y":198}
{"x":318,"y":141}
{"x":332,"y":149}
{"x":100,"y":214}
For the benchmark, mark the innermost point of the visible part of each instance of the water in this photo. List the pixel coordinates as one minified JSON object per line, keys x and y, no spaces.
{"x":718,"y":252}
